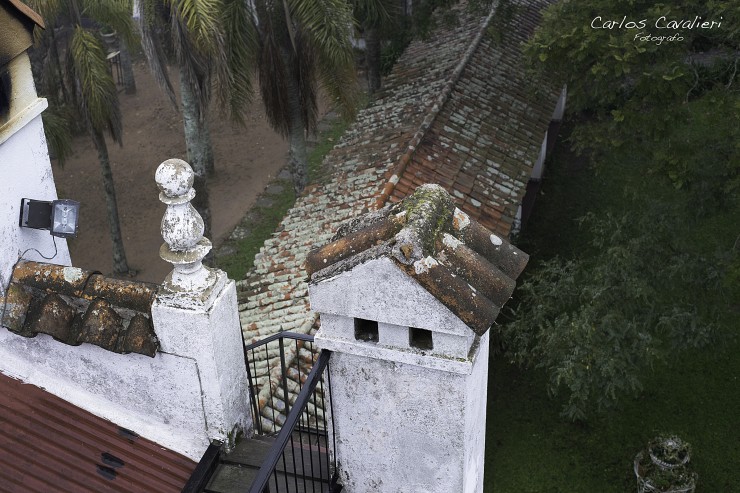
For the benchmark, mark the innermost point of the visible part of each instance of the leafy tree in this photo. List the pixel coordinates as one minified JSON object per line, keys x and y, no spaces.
{"x":655,"y":94}
{"x":597,"y":321}
{"x":90,"y":91}
{"x":302,"y":42}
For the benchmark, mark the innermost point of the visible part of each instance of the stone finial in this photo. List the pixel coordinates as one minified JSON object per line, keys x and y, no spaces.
{"x":182,"y":230}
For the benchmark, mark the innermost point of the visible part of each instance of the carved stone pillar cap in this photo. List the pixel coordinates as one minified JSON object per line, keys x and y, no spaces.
{"x":174,"y":179}
{"x":182,"y":230}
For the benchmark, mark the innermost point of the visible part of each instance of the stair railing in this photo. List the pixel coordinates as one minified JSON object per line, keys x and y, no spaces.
{"x":308,"y":464}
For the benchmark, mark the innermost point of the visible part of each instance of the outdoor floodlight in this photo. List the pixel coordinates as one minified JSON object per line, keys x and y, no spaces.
{"x":57,"y":216}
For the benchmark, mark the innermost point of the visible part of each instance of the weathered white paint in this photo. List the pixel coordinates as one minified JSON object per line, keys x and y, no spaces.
{"x":407,"y":420}
{"x":450,"y":241}
{"x":25,"y":172}
{"x":182,"y":229}
{"x":159,"y":398}
{"x":460,"y":220}
{"x":539,"y":165}
{"x":22,"y":97}
{"x":192,"y":392}
{"x":337,"y":334}
{"x":211,"y":337}
{"x":407,"y":428}
{"x":475,"y":419}
{"x":516,"y":225}
{"x":196,"y":316}
{"x":379,"y":290}
{"x":560,"y":107}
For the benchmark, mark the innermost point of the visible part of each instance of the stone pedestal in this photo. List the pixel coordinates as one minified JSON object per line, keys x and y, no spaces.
{"x":196,"y":313}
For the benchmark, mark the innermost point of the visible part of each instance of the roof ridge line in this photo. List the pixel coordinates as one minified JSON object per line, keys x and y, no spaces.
{"x":426,"y":124}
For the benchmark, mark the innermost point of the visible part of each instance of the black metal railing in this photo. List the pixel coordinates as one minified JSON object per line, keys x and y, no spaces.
{"x":290,"y":388}
{"x":277,"y":368}
{"x":205,"y":469}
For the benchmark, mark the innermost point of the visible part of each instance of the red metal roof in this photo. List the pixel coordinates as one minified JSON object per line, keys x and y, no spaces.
{"x":49,"y":445}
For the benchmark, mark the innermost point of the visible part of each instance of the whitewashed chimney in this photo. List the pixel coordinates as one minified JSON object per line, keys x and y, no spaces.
{"x":406,"y":296}
{"x":24,"y":159}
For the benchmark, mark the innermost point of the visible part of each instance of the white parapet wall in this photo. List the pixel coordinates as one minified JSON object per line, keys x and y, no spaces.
{"x":158,"y":398}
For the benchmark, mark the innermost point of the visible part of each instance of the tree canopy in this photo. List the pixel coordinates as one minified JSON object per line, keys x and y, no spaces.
{"x":655,"y":86}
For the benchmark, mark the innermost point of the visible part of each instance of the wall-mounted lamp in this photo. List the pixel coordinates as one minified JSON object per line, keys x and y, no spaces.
{"x":58,"y":216}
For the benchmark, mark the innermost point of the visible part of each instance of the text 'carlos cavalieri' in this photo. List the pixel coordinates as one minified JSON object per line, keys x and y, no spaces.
{"x":662,"y":23}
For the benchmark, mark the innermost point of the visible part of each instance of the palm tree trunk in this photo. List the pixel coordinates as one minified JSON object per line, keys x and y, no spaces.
{"x":372,"y":53}
{"x":205,"y":132}
{"x":120,"y":265}
{"x":199,"y":149}
{"x":129,"y":83}
{"x":297,"y":155}
{"x":56,"y":60}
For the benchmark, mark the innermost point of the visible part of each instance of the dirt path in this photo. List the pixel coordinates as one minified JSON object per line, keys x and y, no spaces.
{"x":246,"y":160}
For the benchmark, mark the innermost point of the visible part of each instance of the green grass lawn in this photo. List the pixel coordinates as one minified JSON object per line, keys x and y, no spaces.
{"x":529,"y":447}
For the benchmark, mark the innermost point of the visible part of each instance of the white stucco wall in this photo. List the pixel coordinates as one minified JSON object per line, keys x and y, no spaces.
{"x":539,"y":166}
{"x":406,"y":428}
{"x":158,"y":398}
{"x":399,"y":427}
{"x":191,"y":392}
{"x":25,"y":172}
{"x":560,"y":107}
{"x":211,"y":336}
{"x":475,"y":419}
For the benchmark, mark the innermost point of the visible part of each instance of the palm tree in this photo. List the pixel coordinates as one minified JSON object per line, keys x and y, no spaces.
{"x":211,"y":40}
{"x":301,"y":43}
{"x":93,"y":97}
{"x":375,"y":18}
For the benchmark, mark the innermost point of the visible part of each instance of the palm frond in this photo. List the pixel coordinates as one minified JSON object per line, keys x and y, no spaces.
{"x":149,"y":22}
{"x":194,"y":65}
{"x":115,"y":14}
{"x":273,"y":74}
{"x":305,"y":64}
{"x":97,"y":92}
{"x":340,"y":83}
{"x":241,"y":47}
{"x":201,"y":20}
{"x":328,"y":24}
{"x":58,"y":132}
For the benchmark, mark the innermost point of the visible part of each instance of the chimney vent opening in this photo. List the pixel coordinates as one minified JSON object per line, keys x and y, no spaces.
{"x":366,"y":330}
{"x":420,"y":338}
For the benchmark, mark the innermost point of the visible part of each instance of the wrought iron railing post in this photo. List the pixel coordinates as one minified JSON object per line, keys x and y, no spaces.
{"x":268,"y":467}
{"x":252,"y":394}
{"x":285,"y":376}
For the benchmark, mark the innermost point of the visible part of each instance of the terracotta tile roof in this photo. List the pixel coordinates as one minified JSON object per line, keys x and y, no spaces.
{"x":274,"y":295}
{"x":48,"y":445}
{"x":76,"y":306}
{"x":430,"y":99}
{"x":484,"y":142}
{"x":465,"y":266}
